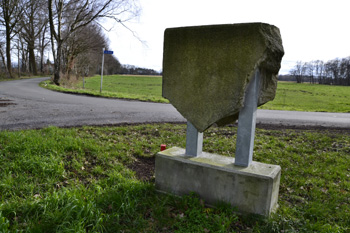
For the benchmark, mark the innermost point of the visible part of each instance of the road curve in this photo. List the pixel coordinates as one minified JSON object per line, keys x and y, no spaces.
{"x":25,"y":105}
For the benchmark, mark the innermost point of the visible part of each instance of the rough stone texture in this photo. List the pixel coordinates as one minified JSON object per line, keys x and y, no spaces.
{"x":216,"y":179}
{"x":206,"y":69}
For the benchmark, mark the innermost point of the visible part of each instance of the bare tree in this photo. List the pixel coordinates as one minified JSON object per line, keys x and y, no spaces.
{"x":333,"y":70}
{"x":318,"y":69}
{"x":23,"y":48}
{"x":298,"y":72}
{"x":310,"y":67}
{"x":83,"y":52}
{"x":336,"y":71}
{"x":43,"y":44}
{"x":83,"y":48}
{"x":33,"y":22}
{"x":68,"y":16}
{"x":344,"y":71}
{"x":10,"y":15}
{"x":2,"y":56}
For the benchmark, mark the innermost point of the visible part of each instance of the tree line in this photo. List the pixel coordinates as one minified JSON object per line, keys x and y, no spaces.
{"x":332,"y":72}
{"x":134,"y":70}
{"x":70,"y":31}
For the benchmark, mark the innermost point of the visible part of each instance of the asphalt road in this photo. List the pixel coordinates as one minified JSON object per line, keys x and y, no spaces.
{"x":25,"y":105}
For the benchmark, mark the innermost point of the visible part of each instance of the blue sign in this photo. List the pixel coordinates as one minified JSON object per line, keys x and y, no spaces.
{"x":108,"y":52}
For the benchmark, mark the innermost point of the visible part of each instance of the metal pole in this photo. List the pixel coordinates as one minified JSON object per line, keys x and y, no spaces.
{"x":19,"y":71}
{"x":103,"y":60}
{"x":247,"y":122}
{"x":194,"y":141}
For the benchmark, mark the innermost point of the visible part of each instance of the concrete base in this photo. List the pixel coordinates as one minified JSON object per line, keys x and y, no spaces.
{"x":215,"y":178}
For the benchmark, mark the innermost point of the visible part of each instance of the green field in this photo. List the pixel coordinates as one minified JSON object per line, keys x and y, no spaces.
{"x":289,"y":96}
{"x":87,"y":182}
{"x":310,"y":98}
{"x":144,"y":88}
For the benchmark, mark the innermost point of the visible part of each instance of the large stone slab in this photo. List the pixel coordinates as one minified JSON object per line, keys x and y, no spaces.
{"x":216,"y":179}
{"x":206,"y":69}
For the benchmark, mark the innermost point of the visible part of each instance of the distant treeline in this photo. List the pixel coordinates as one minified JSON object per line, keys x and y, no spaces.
{"x":332,"y":72}
{"x":130,"y":69}
{"x":286,"y":77}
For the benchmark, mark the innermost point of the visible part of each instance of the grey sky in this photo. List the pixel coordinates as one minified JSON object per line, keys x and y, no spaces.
{"x":310,"y":29}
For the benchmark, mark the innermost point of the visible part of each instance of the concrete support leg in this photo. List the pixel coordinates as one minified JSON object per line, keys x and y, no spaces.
{"x":246,"y":124}
{"x":194,"y":141}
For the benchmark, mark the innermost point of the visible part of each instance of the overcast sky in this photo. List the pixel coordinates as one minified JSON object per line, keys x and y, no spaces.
{"x":310,"y":29}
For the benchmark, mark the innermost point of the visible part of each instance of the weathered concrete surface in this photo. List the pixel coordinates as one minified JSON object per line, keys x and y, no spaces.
{"x":194,"y":141}
{"x":215,"y":178}
{"x":206,"y":69}
{"x":247,"y":124}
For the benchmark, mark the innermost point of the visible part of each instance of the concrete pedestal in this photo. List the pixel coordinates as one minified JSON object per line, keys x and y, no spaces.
{"x":215,"y":178}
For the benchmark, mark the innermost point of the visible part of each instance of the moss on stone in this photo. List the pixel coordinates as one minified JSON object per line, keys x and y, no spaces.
{"x":206,"y":69}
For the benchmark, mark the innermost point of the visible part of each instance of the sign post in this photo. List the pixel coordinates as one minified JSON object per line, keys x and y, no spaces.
{"x":103,"y":60}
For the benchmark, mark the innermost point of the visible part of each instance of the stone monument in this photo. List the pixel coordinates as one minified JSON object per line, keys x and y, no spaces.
{"x":216,"y":75}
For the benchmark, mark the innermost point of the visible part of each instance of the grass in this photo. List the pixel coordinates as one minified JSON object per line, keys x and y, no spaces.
{"x":310,"y":98}
{"x":85,"y":182}
{"x":144,"y":88}
{"x":289,"y":96}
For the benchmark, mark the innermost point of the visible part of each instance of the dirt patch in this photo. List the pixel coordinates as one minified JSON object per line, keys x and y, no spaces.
{"x":6,"y":102}
{"x":144,"y":168}
{"x":319,"y":129}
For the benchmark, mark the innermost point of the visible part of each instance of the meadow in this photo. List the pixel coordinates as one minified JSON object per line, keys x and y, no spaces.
{"x":289,"y":96}
{"x":310,"y":97}
{"x":143,"y":88}
{"x":100,"y":179}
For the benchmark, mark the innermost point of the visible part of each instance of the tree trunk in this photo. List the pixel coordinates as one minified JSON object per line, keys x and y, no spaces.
{"x":42,"y":61}
{"x":32,"y":63}
{"x":8,"y":51}
{"x":57,"y":55}
{"x":57,"y":65}
{"x":3,"y":61}
{"x":31,"y":41}
{"x":42,"y":50}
